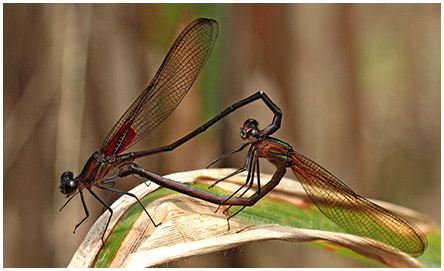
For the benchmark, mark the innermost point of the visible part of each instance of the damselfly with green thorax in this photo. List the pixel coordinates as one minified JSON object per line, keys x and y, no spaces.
{"x":350,"y":211}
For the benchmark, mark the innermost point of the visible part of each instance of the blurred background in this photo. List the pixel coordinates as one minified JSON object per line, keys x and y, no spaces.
{"x":359,"y":85}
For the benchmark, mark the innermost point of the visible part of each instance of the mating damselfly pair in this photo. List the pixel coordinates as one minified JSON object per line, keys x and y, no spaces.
{"x":179,"y":70}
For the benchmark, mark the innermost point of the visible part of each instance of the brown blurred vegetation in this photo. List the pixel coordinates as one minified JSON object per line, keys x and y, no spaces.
{"x":359,"y":85}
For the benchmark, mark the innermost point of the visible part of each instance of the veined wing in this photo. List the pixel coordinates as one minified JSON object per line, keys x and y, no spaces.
{"x":166,"y":90}
{"x":354,"y":213}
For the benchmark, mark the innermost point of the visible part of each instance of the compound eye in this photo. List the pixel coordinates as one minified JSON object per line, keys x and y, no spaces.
{"x":250,"y":131}
{"x":68,"y":185}
{"x":254,"y":133}
{"x":67,"y":176}
{"x":250,"y":123}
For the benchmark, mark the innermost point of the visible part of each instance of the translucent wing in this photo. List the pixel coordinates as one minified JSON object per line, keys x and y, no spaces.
{"x":354,"y":213}
{"x":166,"y":90}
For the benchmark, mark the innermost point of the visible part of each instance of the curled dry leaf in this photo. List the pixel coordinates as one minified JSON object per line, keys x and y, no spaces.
{"x":190,"y":227}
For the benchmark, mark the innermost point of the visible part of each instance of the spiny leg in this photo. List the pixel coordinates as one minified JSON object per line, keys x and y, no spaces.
{"x":113,"y":182}
{"x":131,"y":195}
{"x":84,"y":208}
{"x":277,"y":176}
{"x":107,"y":207}
{"x":258,"y":175}
{"x":256,"y":166}
{"x":228,"y":154}
{"x":249,"y":181}
{"x":110,"y":180}
{"x":242,"y":169}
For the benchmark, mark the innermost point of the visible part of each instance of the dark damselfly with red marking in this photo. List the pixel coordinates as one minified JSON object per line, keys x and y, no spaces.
{"x":171,"y":83}
{"x":166,"y":90}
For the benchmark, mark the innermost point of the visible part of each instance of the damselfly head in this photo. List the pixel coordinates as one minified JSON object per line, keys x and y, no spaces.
{"x":68,"y":185}
{"x":249,"y":130}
